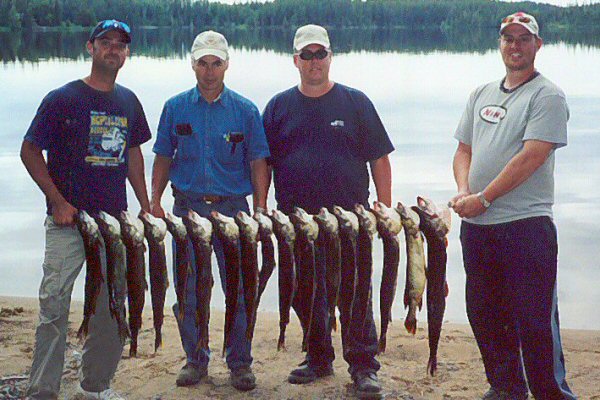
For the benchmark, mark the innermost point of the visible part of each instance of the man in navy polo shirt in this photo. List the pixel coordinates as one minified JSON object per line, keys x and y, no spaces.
{"x":211,"y":146}
{"x":321,"y":136}
{"x":91,"y":130}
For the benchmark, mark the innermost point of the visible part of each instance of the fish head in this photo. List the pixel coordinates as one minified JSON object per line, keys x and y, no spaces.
{"x":327,"y":221}
{"x":132,"y":228}
{"x":265,"y":224}
{"x":282,"y":226}
{"x":410,"y":219}
{"x":347,"y":220}
{"x":88,"y":226}
{"x":366,"y":219}
{"x":305,"y":223}
{"x":154,"y":227}
{"x":198,"y":227}
{"x":225,"y":226}
{"x":388,"y":220}
{"x":109,"y":225}
{"x":248,"y":226}
{"x":441,"y":218}
{"x":176,"y":226}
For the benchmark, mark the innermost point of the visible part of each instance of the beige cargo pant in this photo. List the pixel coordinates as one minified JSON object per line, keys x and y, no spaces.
{"x":63,"y":259}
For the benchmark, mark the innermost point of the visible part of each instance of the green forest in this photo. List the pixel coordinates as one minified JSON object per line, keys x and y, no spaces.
{"x":202,"y":14}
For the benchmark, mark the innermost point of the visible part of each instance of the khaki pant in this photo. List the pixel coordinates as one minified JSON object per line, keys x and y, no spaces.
{"x":102,"y":349}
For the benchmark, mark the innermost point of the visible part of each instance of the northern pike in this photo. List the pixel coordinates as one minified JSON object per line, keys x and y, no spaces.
{"x":155,"y":230}
{"x":228,"y":233}
{"x":116,"y":270}
{"x":389,"y":226}
{"x":132,"y":232}
{"x":178,"y":230}
{"x":435,"y":224}
{"x":415,"y":266}
{"x":200,"y":230}
{"x":329,"y":239}
{"x":348,"y":229}
{"x":367,"y":227}
{"x":249,"y":263}
{"x":307,"y":232}
{"x":286,"y":237}
{"x":267,"y":249}
{"x":93,"y":274}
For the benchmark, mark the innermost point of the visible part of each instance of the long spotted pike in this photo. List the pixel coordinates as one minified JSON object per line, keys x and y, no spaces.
{"x":249,"y":263}
{"x":348,"y":229}
{"x":228,"y":233}
{"x":415,"y":266}
{"x":286,"y":238}
{"x":367,"y":227}
{"x":116,"y":270}
{"x":329,"y":238}
{"x":93,"y":274}
{"x":200,"y":230}
{"x":155,"y":230}
{"x":132,"y":232}
{"x":435,"y":224}
{"x":178,"y":231}
{"x":267,"y":248}
{"x":389,"y":226}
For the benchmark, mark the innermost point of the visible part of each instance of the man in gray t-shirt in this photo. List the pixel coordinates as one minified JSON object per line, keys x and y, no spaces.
{"x":504,"y":168}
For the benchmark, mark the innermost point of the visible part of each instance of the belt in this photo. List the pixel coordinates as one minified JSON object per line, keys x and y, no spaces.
{"x":213,"y":198}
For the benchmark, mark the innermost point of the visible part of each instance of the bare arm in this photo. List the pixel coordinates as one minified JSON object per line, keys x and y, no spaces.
{"x":62,"y":211}
{"x":381,"y":171}
{"x":135,"y":174}
{"x":461,"y":165}
{"x":160,"y":178}
{"x":261,"y":179}
{"x":533,"y":154}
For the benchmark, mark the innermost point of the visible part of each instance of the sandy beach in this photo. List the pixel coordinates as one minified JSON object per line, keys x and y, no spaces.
{"x":403,"y":372}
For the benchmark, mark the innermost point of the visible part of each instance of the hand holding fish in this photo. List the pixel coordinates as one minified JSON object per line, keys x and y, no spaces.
{"x":469,"y":206}
{"x":63,"y":213}
{"x":461,"y":194}
{"x":156,"y":209}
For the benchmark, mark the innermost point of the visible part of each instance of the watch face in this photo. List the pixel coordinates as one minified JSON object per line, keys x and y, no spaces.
{"x":483,"y":200}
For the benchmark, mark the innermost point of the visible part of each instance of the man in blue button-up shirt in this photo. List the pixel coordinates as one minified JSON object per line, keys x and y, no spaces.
{"x":211,"y":146}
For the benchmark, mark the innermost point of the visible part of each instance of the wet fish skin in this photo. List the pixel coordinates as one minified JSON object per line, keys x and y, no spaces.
{"x":199,"y":230}
{"x":228,"y":233}
{"x":249,"y":263}
{"x":265,"y":233}
{"x":178,"y":231}
{"x":287,"y":284}
{"x":415,"y":266}
{"x":90,"y":233}
{"x":132,"y":232}
{"x":116,"y":270}
{"x":155,"y":230}
{"x":389,"y":226}
{"x":329,"y":238}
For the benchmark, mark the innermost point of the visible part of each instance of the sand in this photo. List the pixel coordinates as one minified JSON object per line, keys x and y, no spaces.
{"x":403,"y":367}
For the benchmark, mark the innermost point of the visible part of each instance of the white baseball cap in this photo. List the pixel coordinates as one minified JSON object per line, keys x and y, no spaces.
{"x":210,"y":43}
{"x":520,"y":18}
{"x":311,"y":34}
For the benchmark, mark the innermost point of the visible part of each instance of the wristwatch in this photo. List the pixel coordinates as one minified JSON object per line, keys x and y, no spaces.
{"x":483,"y":200}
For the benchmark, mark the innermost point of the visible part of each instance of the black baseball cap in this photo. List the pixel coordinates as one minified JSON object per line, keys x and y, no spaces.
{"x":108,"y":25}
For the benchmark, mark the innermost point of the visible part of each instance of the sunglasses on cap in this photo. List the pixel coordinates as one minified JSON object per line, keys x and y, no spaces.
{"x":510,"y":19}
{"x":116,"y":24}
{"x":308,"y":55}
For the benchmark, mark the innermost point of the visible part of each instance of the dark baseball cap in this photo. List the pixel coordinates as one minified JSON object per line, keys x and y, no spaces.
{"x":111,"y":25}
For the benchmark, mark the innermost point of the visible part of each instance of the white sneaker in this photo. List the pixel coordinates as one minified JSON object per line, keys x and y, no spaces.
{"x":107,"y":394}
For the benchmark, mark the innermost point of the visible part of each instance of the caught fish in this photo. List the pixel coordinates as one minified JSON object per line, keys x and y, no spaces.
{"x":307,"y":232}
{"x":228,"y":233}
{"x":415,"y":266}
{"x":116,"y":270}
{"x":249,"y":263}
{"x":286,"y":237}
{"x":435,"y":224}
{"x":155,"y":230}
{"x":178,"y":230}
{"x":267,"y":248}
{"x":329,"y":239}
{"x":348,"y":229}
{"x":367,"y":227}
{"x":389,"y":226}
{"x":93,"y":274}
{"x":200,"y":230}
{"x":132,"y":232}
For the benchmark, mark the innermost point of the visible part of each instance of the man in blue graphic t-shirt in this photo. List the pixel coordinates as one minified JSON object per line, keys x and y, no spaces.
{"x":321,"y":136}
{"x":91,"y":130}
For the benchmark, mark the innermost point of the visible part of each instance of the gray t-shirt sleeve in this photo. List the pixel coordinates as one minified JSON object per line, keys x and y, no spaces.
{"x":464,"y":131}
{"x":548,"y":118}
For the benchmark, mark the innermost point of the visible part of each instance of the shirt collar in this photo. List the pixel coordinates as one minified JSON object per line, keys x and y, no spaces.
{"x":223,"y":99}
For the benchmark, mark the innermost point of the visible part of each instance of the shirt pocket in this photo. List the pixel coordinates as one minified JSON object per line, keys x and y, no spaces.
{"x":186,"y":147}
{"x":229,"y":148}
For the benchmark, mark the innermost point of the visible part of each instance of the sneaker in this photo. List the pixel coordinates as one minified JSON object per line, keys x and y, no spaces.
{"x":190,"y":375}
{"x":497,"y":394}
{"x":308,"y":374}
{"x":107,"y":394}
{"x":367,"y":386}
{"x":242,"y":379}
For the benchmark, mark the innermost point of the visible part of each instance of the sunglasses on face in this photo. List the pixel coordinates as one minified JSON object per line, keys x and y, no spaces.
{"x":117,"y":24}
{"x":509,"y":20}
{"x":308,"y":55}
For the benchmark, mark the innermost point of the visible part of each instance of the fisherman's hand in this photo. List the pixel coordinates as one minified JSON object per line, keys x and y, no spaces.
{"x":156,"y":209}
{"x":456,"y":198}
{"x":63,"y":213}
{"x":469,"y":206}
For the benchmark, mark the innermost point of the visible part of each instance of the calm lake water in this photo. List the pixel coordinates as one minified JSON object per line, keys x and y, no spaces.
{"x":419,"y":83}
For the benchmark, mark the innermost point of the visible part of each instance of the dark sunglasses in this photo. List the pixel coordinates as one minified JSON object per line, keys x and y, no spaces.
{"x":117,"y":24}
{"x":308,"y":55}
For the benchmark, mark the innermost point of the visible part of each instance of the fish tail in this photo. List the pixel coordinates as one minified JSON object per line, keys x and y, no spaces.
{"x":382,"y":343}
{"x":410,"y":323}
{"x":157,"y":340}
{"x":281,"y":341}
{"x":133,"y":347}
{"x":333,"y":322}
{"x":432,"y":365}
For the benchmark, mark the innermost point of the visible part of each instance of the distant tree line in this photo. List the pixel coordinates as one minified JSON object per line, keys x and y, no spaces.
{"x":201,"y":14}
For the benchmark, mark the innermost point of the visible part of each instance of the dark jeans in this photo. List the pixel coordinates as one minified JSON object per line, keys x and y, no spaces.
{"x":359,"y":349}
{"x":512,"y":305}
{"x":238,"y":354}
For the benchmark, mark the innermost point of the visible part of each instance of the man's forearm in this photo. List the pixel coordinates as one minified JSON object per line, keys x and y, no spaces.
{"x":461,"y":165}
{"x":261,"y":179}
{"x":160,"y":177}
{"x":381,"y":171}
{"x":136,"y":176}
{"x":33,"y":159}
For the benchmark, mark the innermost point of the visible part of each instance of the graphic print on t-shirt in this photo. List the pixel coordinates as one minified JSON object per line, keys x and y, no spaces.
{"x":108,"y":140}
